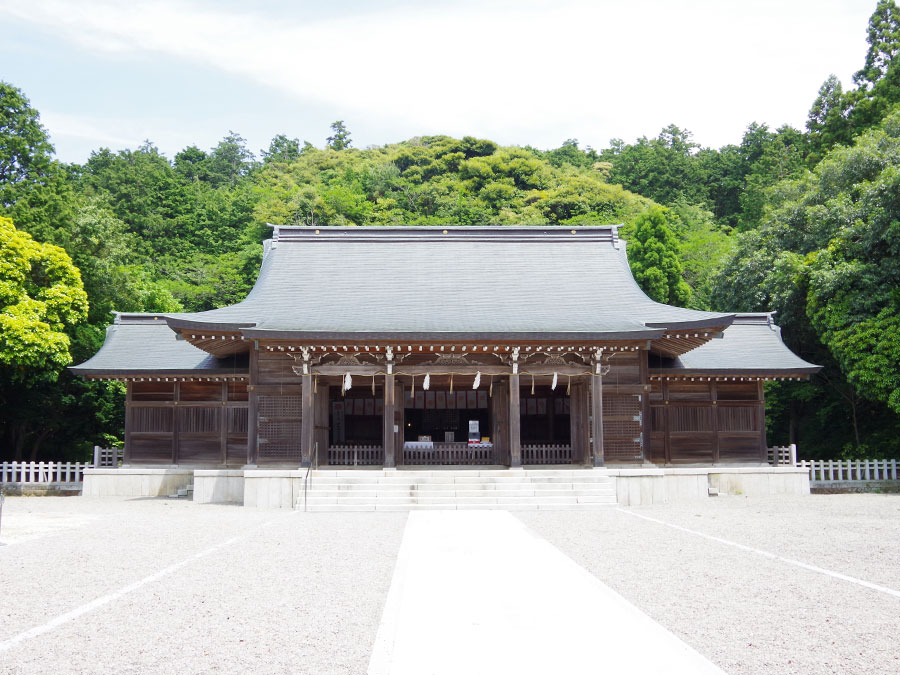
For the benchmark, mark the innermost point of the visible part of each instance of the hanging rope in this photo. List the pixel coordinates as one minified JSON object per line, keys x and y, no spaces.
{"x":316,"y":384}
{"x":373,"y":385}
{"x":532,"y":384}
{"x":569,"y":386}
{"x":451,"y":383}
{"x":412,"y":389}
{"x":491,"y":387}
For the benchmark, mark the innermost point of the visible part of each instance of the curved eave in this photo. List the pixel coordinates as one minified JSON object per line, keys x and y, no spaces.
{"x":736,"y":373}
{"x":179,"y":373}
{"x":468,"y":336}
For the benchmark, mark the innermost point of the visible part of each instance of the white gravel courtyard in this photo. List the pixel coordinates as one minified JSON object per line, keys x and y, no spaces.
{"x":790,"y":585}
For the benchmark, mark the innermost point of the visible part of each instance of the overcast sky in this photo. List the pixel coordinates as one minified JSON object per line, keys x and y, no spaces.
{"x":519,"y":72}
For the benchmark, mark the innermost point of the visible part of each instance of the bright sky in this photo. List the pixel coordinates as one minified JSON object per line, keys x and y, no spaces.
{"x":520,"y":72}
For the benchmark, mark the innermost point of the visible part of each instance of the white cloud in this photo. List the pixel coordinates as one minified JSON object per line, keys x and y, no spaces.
{"x":527,"y":72}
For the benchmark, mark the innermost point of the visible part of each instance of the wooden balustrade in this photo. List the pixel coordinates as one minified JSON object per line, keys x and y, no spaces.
{"x":449,"y":454}
{"x":546,"y":454}
{"x":355,"y":455}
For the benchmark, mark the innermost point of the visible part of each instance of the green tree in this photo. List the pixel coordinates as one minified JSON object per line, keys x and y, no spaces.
{"x":653,"y":257}
{"x":282,"y":149}
{"x":884,"y":44}
{"x":828,"y":122}
{"x":663,"y":169}
{"x":825,"y":257}
{"x":25,"y":149}
{"x":41,"y":298}
{"x":340,"y":138}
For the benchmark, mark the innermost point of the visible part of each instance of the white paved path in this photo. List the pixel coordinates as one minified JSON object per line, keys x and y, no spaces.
{"x":478,"y":592}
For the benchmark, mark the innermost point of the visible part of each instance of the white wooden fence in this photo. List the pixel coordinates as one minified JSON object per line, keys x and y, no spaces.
{"x":43,"y":472}
{"x":850,"y":470}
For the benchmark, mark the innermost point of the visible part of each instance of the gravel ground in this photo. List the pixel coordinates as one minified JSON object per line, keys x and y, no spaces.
{"x":303,"y":593}
{"x":296,"y":593}
{"x":746,"y":612}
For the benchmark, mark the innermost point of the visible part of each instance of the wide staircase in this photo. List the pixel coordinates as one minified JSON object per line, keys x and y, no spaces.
{"x":406,"y":490}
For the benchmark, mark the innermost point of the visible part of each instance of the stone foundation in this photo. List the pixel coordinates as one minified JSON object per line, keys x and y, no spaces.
{"x":136,"y":481}
{"x":669,"y":485}
{"x":280,"y":488}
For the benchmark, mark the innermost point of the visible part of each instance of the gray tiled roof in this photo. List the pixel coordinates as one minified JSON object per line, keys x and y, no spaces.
{"x":448,"y":282}
{"x":752,"y":344}
{"x":143,"y":343}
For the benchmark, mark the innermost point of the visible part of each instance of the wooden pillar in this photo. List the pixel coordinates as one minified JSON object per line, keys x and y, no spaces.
{"x":307,"y":421}
{"x":388,"y":426}
{"x":763,"y":445}
{"x":223,"y":423}
{"x":597,"y":458}
{"x":500,"y":425}
{"x":645,"y":407}
{"x":515,"y":422}
{"x":129,"y":422}
{"x":322,"y":406}
{"x":253,"y":408}
{"x":579,"y":427}
{"x":175,"y":424}
{"x":713,"y":394}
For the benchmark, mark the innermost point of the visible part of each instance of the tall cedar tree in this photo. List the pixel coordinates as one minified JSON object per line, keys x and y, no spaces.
{"x":653,"y":256}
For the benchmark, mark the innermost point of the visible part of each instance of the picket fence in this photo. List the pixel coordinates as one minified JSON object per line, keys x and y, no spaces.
{"x":850,"y":470}
{"x":58,"y":472}
{"x":43,"y":472}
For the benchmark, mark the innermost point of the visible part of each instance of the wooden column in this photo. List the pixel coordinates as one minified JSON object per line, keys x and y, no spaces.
{"x":645,"y":407}
{"x":499,"y":410}
{"x":597,"y":458}
{"x":322,"y":437}
{"x":129,"y":422}
{"x":763,"y":445}
{"x":713,"y":395}
{"x":223,"y":423}
{"x":253,"y":408}
{"x":515,"y":422}
{"x":175,"y":419}
{"x":307,"y":421}
{"x":388,"y":435}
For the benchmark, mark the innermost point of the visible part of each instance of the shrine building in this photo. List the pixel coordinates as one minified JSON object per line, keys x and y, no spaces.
{"x":447,"y":347}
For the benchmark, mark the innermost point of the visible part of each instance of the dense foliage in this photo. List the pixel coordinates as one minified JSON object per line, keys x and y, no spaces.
{"x":802,"y":222}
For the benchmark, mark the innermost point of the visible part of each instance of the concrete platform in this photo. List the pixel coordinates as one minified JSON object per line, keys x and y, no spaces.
{"x":284,"y":488}
{"x":478,"y":592}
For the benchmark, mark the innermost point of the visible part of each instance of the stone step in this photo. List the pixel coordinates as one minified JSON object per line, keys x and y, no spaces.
{"x":437,"y":471}
{"x":525,"y":492}
{"x":444,"y":487}
{"x":458,"y":507}
{"x":408,"y":480}
{"x":518,"y":499}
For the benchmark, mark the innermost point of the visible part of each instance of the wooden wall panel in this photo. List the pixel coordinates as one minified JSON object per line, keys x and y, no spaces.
{"x":624,"y":368}
{"x":152,"y":391}
{"x":692,"y":448}
{"x":151,"y":448}
{"x":276,"y":368}
{"x":737,"y":447}
{"x":688,"y":391}
{"x":155,"y":419}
